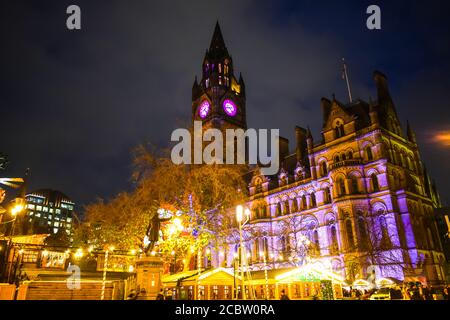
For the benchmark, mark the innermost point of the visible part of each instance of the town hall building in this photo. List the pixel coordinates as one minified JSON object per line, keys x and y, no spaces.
{"x":358,"y":200}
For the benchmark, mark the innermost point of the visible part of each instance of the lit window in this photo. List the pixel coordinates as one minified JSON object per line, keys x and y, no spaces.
{"x":51,"y":210}
{"x":55,"y":230}
{"x":38,"y":215}
{"x":39,"y":208}
{"x":31,"y":206}
{"x":56,"y":224}
{"x":69,"y":219}
{"x":31,"y":213}
{"x":58,"y":211}
{"x":50,"y":217}
{"x":45,"y":209}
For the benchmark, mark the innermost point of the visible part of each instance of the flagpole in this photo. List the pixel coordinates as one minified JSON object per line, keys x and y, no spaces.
{"x":345,"y":76}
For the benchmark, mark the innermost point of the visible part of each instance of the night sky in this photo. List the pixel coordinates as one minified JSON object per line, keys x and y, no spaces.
{"x":74,"y":103}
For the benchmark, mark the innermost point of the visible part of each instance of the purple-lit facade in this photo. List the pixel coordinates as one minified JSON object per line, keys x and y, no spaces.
{"x":359,"y":200}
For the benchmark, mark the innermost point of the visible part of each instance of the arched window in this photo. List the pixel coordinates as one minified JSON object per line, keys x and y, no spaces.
{"x":349,"y":155}
{"x":336,"y":158}
{"x":313,"y":200}
{"x":375,"y":185}
{"x":256,"y":213}
{"x":315,"y":242}
{"x":256,"y":250}
{"x":334,"y":247}
{"x":263,"y":211}
{"x":287,"y":209}
{"x":369,"y":154}
{"x":341,"y":187}
{"x":354,"y":181}
{"x":339,"y":130}
{"x":279,"y":212}
{"x":294,"y":205}
{"x":326,"y":195}
{"x":385,"y":242}
{"x":304,"y":204}
{"x":362,"y":230}
{"x":323,"y":169}
{"x":350,"y":235}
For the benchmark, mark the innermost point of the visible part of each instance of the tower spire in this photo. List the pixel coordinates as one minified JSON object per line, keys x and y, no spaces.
{"x":217,"y":42}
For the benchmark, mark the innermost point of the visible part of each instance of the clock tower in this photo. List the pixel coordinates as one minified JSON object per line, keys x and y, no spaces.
{"x":218,"y":100}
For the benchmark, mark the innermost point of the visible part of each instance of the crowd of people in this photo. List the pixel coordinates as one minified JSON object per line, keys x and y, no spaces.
{"x":410,"y":291}
{"x":407,"y":291}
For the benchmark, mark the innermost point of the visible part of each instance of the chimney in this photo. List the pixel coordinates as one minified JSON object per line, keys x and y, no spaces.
{"x":284,"y":148}
{"x":301,"y":145}
{"x":381,"y":83}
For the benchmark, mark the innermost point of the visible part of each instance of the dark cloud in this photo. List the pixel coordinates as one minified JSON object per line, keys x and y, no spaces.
{"x":74,"y":104}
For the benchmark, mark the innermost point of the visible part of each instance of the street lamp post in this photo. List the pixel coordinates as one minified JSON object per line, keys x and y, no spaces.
{"x":240,"y":218}
{"x":105,"y":267}
{"x":263,"y":254}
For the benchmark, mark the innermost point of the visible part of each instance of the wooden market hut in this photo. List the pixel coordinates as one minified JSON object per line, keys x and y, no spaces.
{"x":309,"y":281}
{"x":210,"y":284}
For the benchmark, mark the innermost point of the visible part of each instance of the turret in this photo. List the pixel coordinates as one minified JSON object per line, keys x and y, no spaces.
{"x":410,"y":133}
{"x":373,"y":113}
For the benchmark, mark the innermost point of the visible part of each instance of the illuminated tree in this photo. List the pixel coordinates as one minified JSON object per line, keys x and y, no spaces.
{"x":199,"y":196}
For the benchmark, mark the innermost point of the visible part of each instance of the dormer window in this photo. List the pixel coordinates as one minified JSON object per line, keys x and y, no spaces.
{"x":339,"y":130}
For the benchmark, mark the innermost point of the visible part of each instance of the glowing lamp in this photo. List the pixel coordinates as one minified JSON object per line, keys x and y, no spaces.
{"x":239,"y":213}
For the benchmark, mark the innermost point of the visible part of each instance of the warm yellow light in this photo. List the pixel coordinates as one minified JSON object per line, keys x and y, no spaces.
{"x":67,"y":251}
{"x":20,"y":251}
{"x":235,"y":254}
{"x":111,"y":248}
{"x":130,"y":269}
{"x":208,"y":251}
{"x":17,"y":209}
{"x":91,"y":248}
{"x":443,"y":138}
{"x":133,"y":252}
{"x":239,"y":213}
{"x":172,"y":253}
{"x":153,"y":253}
{"x":221,"y":253}
{"x":45,"y":252}
{"x":192,"y":250}
{"x":178,"y":224}
{"x":261,"y":254}
{"x":247,"y":212}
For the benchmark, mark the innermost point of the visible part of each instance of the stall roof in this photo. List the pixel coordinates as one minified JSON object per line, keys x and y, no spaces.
{"x":309,"y":272}
{"x":181,"y":275}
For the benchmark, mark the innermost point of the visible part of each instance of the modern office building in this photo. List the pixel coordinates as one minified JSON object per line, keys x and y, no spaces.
{"x":50,"y":210}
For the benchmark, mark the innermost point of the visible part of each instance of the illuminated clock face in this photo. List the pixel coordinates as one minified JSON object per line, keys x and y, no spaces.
{"x":229,"y":107}
{"x":203,"y":110}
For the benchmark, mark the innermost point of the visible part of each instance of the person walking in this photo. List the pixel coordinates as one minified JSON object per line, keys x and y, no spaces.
{"x":284,"y":296}
{"x":160,"y":295}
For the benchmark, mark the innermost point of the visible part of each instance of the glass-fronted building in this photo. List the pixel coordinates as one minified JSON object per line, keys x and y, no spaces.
{"x":51,"y":210}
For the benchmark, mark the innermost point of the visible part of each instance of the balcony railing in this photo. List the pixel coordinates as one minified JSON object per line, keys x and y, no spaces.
{"x":345,"y":163}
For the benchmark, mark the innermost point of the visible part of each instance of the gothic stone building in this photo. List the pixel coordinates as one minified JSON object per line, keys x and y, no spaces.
{"x":359,"y":200}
